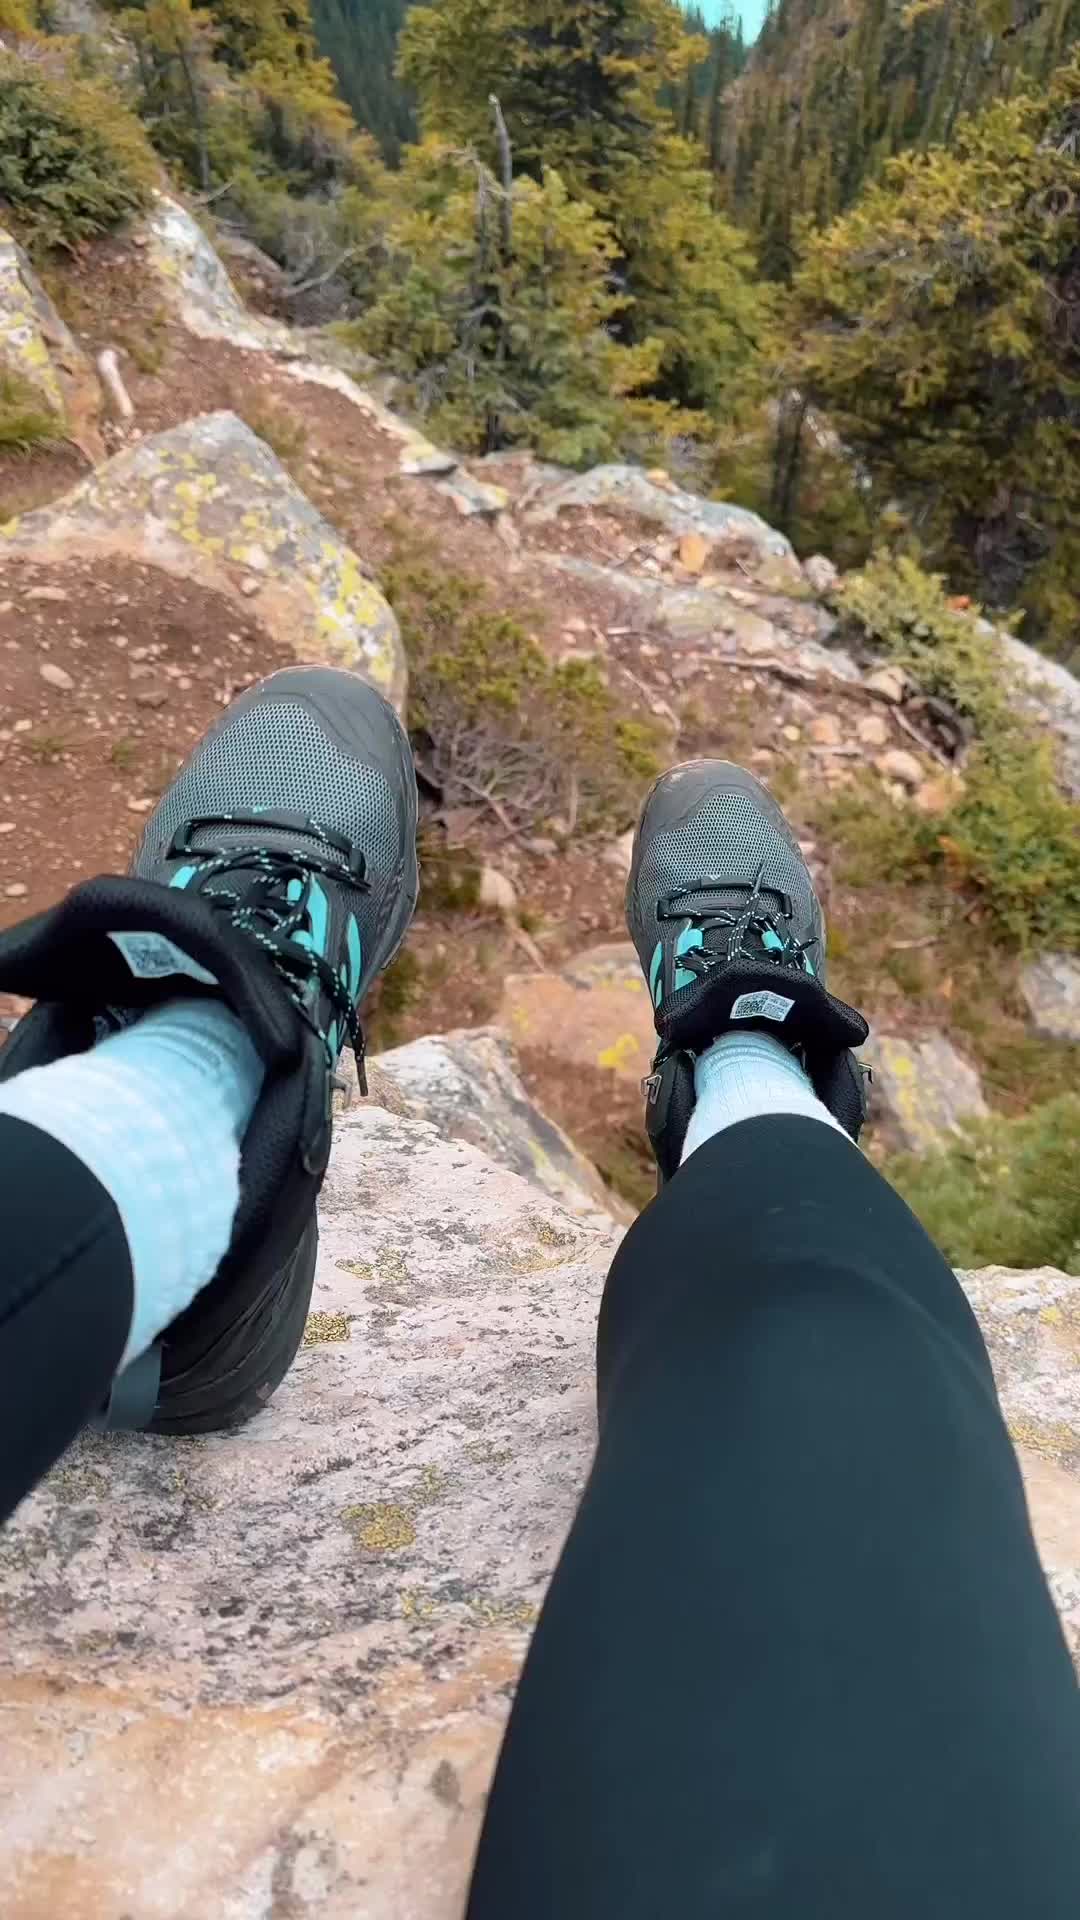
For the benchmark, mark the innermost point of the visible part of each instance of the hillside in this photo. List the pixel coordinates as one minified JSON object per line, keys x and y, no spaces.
{"x":359,"y":38}
{"x":834,"y":88}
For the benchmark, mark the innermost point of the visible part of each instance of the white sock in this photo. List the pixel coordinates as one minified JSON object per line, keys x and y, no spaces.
{"x":157,"y":1113}
{"x":745,"y":1074}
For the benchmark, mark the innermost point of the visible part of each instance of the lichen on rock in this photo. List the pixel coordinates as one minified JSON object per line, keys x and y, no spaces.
{"x":210,"y":501}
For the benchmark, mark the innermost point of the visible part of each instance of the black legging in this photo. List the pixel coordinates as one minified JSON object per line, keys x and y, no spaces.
{"x":798,"y":1660}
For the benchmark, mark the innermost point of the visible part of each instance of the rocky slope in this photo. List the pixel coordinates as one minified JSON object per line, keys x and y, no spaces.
{"x":306,"y":1635}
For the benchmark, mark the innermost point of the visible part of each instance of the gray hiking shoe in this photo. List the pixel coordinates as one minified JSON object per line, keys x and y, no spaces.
{"x":730,"y":934}
{"x":278,"y":873}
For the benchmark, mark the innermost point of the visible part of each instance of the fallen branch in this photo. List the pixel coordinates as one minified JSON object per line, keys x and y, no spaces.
{"x":913,"y":733}
{"x":799,"y":677}
{"x":481,"y":793}
{"x":207,"y":199}
{"x":108,"y":368}
{"x":320,"y":279}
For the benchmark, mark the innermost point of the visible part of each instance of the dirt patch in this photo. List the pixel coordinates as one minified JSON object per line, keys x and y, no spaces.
{"x":32,"y":479}
{"x":108,"y":673}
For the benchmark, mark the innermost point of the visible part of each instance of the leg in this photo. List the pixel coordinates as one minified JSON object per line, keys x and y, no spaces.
{"x":66,"y":1299}
{"x":799,"y":1658}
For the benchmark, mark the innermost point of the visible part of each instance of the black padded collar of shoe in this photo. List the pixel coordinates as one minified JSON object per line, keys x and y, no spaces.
{"x":65,"y":956}
{"x":697,"y":1015}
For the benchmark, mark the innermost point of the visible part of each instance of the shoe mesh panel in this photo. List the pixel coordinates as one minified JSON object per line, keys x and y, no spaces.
{"x":728,"y":835}
{"x":276,"y":754}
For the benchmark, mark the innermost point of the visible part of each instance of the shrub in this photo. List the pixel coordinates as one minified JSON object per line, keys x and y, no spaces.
{"x":1012,"y":834}
{"x":510,"y":730}
{"x":25,"y":420}
{"x":1005,"y":1192}
{"x":906,"y":614}
{"x":73,"y":161}
{"x":282,"y":431}
{"x":1015,"y":838}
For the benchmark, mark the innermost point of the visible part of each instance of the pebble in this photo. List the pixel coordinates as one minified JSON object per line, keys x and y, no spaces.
{"x":139,"y":806}
{"x":496,"y":891}
{"x":873,"y":731}
{"x":890,"y":682}
{"x":55,"y":676}
{"x":825,"y":730}
{"x":249,"y":587}
{"x":900,"y":767}
{"x":151,"y":696}
{"x":7,"y":826}
{"x":620,"y":852}
{"x":694,"y":551}
{"x":793,"y":734}
{"x":57,"y":594}
{"x":821,"y":573}
{"x":17,"y":891}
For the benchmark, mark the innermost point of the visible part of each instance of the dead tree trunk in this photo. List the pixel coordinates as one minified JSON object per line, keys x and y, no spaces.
{"x":493,"y":430}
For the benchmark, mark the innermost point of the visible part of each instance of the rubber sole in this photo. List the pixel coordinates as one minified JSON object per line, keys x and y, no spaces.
{"x":229,"y":1386}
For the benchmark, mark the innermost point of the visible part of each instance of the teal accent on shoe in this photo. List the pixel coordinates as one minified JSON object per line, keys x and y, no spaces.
{"x":773,"y":944}
{"x":183,"y":876}
{"x":318,"y":909}
{"x":689,"y":940}
{"x":355,"y":957}
{"x":354,"y":962}
{"x":654,"y":973}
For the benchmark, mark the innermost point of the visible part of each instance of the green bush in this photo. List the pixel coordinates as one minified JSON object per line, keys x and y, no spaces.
{"x":1015,"y":837}
{"x":510,"y":730}
{"x":73,"y":162}
{"x":1011,"y":835}
{"x":1005,"y":1192}
{"x":25,"y":420}
{"x":907,"y":614}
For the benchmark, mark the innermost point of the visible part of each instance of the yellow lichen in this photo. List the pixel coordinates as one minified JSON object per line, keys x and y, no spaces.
{"x":322,"y":1327}
{"x":381,"y":1527}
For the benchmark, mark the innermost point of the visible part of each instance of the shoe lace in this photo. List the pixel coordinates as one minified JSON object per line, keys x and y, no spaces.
{"x":271,"y":910}
{"x":755,"y":918}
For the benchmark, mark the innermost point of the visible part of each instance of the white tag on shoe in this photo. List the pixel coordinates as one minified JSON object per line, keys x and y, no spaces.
{"x":762,"y":1006}
{"x":151,"y":957}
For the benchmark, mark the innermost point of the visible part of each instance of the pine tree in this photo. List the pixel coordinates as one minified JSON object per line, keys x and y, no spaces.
{"x":938,"y":325}
{"x":498,"y":312}
{"x":175,"y":44}
{"x":583,"y":85}
{"x":579,"y":80}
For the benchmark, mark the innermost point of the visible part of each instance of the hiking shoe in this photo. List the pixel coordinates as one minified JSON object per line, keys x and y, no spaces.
{"x":730,"y":934}
{"x":278,"y":872}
